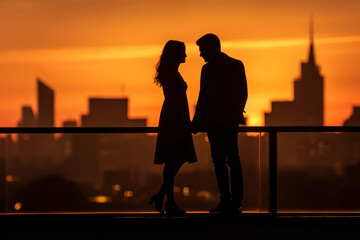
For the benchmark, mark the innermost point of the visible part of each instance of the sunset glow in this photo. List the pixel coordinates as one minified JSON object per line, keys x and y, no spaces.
{"x":136,"y":52}
{"x":109,"y":48}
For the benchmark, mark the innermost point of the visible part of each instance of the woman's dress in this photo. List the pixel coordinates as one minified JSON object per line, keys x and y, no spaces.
{"x":174,"y":140}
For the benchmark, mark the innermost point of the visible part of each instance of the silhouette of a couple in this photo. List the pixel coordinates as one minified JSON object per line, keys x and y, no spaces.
{"x":219,"y":111}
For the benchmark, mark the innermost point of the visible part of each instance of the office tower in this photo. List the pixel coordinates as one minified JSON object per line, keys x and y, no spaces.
{"x":354,"y":119}
{"x":110,"y":112}
{"x":45,"y":97}
{"x":27,"y":117}
{"x":307,"y":108}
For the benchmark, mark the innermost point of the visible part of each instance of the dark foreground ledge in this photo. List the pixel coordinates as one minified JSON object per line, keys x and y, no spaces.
{"x":195,"y":225}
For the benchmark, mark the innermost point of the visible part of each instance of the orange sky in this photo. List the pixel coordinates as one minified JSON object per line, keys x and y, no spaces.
{"x":108,"y":48}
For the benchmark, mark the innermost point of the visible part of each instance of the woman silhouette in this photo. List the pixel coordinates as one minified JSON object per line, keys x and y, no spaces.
{"x":174,"y":145}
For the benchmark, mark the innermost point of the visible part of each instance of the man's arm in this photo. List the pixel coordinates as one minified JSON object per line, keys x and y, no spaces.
{"x":243,"y":88}
{"x":240,"y":91}
{"x":196,"y":122}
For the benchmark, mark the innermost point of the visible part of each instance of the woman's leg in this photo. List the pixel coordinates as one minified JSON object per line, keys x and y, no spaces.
{"x":170,"y":170}
{"x":161,"y":192}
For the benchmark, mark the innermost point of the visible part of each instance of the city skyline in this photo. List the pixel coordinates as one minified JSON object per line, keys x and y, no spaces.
{"x":117,"y":170}
{"x":80,"y":112}
{"x":114,"y":51}
{"x":306,"y":109}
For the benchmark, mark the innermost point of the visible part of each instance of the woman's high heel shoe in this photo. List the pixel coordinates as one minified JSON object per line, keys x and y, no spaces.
{"x":158,"y":202}
{"x":173,"y":210}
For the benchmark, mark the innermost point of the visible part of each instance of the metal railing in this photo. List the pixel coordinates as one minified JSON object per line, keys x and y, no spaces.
{"x":271,"y":130}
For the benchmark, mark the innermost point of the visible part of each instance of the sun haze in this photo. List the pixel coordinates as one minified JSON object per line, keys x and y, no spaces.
{"x":108,"y":48}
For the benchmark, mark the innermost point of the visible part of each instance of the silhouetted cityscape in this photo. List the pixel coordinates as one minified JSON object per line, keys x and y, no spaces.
{"x":307,"y":108}
{"x":115,"y":172}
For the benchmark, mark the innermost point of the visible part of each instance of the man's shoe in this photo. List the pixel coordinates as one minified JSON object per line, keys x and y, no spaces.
{"x":221,"y":208}
{"x":173,"y":210}
{"x":235,"y":210}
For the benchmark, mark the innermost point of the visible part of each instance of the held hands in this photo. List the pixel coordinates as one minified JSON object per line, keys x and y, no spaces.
{"x":194,"y":127}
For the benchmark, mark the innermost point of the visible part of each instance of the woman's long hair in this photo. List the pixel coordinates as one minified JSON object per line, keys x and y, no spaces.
{"x":170,"y":56}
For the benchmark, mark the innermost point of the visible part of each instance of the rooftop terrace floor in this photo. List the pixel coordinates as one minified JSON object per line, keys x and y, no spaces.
{"x":195,"y":225}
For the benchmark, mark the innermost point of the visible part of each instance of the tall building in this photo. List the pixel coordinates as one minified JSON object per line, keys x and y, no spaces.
{"x":27,"y":117}
{"x":93,"y":154}
{"x":36,"y":152}
{"x":307,"y":108}
{"x":110,"y":112}
{"x":354,"y":119}
{"x":26,"y":142}
{"x":45,"y":99}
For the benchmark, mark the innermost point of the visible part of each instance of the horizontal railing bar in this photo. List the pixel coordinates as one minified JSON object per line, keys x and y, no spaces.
{"x":8,"y":130}
{"x":80,"y":130}
{"x":300,"y":129}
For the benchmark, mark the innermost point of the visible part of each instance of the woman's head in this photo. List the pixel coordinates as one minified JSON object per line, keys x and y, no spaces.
{"x":172,"y":55}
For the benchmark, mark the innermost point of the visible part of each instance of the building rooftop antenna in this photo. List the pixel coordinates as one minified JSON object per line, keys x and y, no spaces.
{"x":311,"y":51}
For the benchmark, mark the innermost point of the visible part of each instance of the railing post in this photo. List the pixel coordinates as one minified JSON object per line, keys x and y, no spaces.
{"x":2,"y":176}
{"x":273,"y":172}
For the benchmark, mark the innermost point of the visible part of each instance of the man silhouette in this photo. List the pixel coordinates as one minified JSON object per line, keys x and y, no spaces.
{"x":219,"y":111}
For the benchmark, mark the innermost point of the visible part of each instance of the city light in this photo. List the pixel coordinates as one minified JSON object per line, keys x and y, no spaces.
{"x":128,"y":194}
{"x":186,"y":191}
{"x":9,"y":178}
{"x":204,"y":194}
{"x":116,"y":187}
{"x":18,"y":206}
{"x":100,"y":199}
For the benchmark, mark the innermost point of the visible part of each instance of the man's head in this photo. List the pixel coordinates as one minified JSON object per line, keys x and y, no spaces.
{"x":209,"y":46}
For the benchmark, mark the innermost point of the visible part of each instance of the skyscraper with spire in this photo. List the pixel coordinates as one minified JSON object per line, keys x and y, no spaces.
{"x":307,"y":108}
{"x":37,"y":151}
